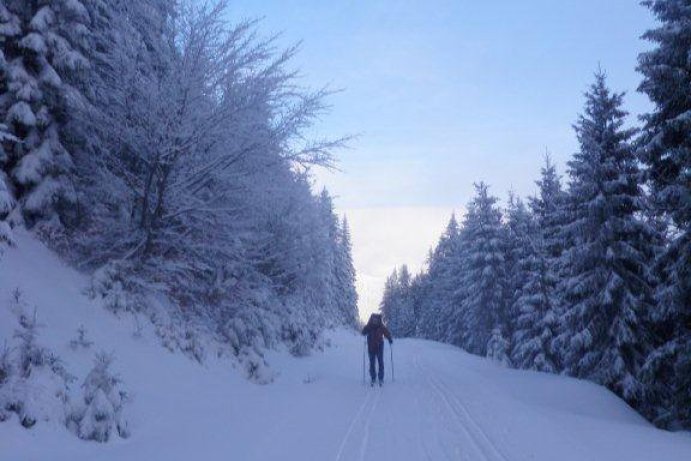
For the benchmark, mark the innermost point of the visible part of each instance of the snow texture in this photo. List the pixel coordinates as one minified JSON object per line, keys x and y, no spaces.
{"x":443,"y":404}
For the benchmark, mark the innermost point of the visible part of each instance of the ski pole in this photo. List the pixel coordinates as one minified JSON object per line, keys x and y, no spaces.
{"x":364,"y":349}
{"x":393,"y":378}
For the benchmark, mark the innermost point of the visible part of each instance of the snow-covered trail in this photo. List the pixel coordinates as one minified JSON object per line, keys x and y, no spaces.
{"x":448,"y":405}
{"x":444,"y":405}
{"x":418,"y":417}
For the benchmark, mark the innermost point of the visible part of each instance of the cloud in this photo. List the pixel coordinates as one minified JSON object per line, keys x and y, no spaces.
{"x":387,"y":237}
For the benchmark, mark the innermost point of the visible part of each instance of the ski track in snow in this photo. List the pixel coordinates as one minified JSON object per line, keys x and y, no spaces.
{"x":368,"y":423}
{"x":447,"y":413}
{"x":362,"y":419}
{"x":351,"y":427}
{"x":455,"y":434}
{"x":465,"y":421}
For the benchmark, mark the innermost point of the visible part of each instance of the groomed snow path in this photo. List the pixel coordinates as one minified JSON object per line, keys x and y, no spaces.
{"x":444,"y":404}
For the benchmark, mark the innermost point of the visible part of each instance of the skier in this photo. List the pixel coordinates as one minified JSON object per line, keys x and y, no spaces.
{"x":375,"y":330}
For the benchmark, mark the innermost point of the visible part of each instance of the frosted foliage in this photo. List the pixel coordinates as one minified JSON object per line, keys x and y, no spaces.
{"x":43,"y":64}
{"x":6,"y":198}
{"x":22,"y":113}
{"x":589,"y":281}
{"x":498,"y":347}
{"x":42,"y":20}
{"x":397,"y":304}
{"x":607,"y":285}
{"x":181,"y":173}
{"x":34,"y":42}
{"x":34,"y":384}
{"x":99,"y":415}
{"x":666,"y":154}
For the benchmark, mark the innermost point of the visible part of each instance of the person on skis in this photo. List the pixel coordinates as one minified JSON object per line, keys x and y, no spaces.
{"x":375,"y":330}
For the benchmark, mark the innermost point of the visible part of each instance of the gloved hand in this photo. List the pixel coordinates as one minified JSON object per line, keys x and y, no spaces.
{"x":390,"y":341}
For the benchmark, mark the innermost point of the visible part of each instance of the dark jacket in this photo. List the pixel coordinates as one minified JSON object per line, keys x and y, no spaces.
{"x":375,"y":331}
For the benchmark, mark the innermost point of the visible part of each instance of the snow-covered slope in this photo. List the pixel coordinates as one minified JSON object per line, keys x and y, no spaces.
{"x":444,"y":403}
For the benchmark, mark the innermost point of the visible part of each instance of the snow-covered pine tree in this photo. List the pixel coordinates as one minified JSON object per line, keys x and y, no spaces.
{"x":81,"y":341}
{"x":517,"y":243}
{"x":404,"y":304}
{"x":548,"y":208}
{"x":36,"y":387}
{"x":536,"y":307}
{"x":7,"y":200}
{"x":345,"y":275}
{"x":418,"y":293}
{"x":607,"y":285}
{"x":535,"y":324}
{"x":439,"y":286}
{"x":387,"y":306}
{"x":483,"y":281}
{"x":666,"y":153}
{"x":499,"y":347}
{"x":326,"y":258}
{"x":42,"y":56}
{"x":397,"y":306}
{"x":99,"y":415}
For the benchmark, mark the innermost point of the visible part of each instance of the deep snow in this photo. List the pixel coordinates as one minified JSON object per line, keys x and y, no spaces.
{"x":444,"y":404}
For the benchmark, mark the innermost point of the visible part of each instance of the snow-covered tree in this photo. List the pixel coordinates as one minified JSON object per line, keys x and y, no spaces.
{"x":666,"y":153}
{"x":397,"y":303}
{"x":484,"y":279}
{"x":607,"y":286}
{"x":7,"y":200}
{"x":346,"y":295}
{"x":517,"y":247}
{"x":34,"y":382}
{"x":548,"y":208}
{"x":81,"y":341}
{"x":439,"y":285}
{"x":42,"y":44}
{"x":192,"y":175}
{"x":388,"y":306}
{"x":536,"y":308}
{"x":536,"y":322}
{"x":99,"y":415}
{"x":498,"y":347}
{"x":406,"y":315}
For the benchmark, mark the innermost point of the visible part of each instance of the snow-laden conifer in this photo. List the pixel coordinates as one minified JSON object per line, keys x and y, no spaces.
{"x":99,"y":415}
{"x":484,"y":279}
{"x":666,"y":153}
{"x":607,"y":284}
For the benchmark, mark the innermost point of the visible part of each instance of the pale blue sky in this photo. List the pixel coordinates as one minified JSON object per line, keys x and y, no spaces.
{"x":444,"y":93}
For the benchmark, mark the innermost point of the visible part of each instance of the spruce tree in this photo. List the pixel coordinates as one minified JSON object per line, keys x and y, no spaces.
{"x":483,"y":281}
{"x":404,"y":304}
{"x":536,"y":319}
{"x":42,"y":43}
{"x":397,"y":303}
{"x":99,"y":415}
{"x":606,"y":285}
{"x":388,"y":306}
{"x":537,"y":309}
{"x":518,"y":239}
{"x":548,"y":208}
{"x":345,"y":275}
{"x":440,"y":284}
{"x":666,"y":153}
